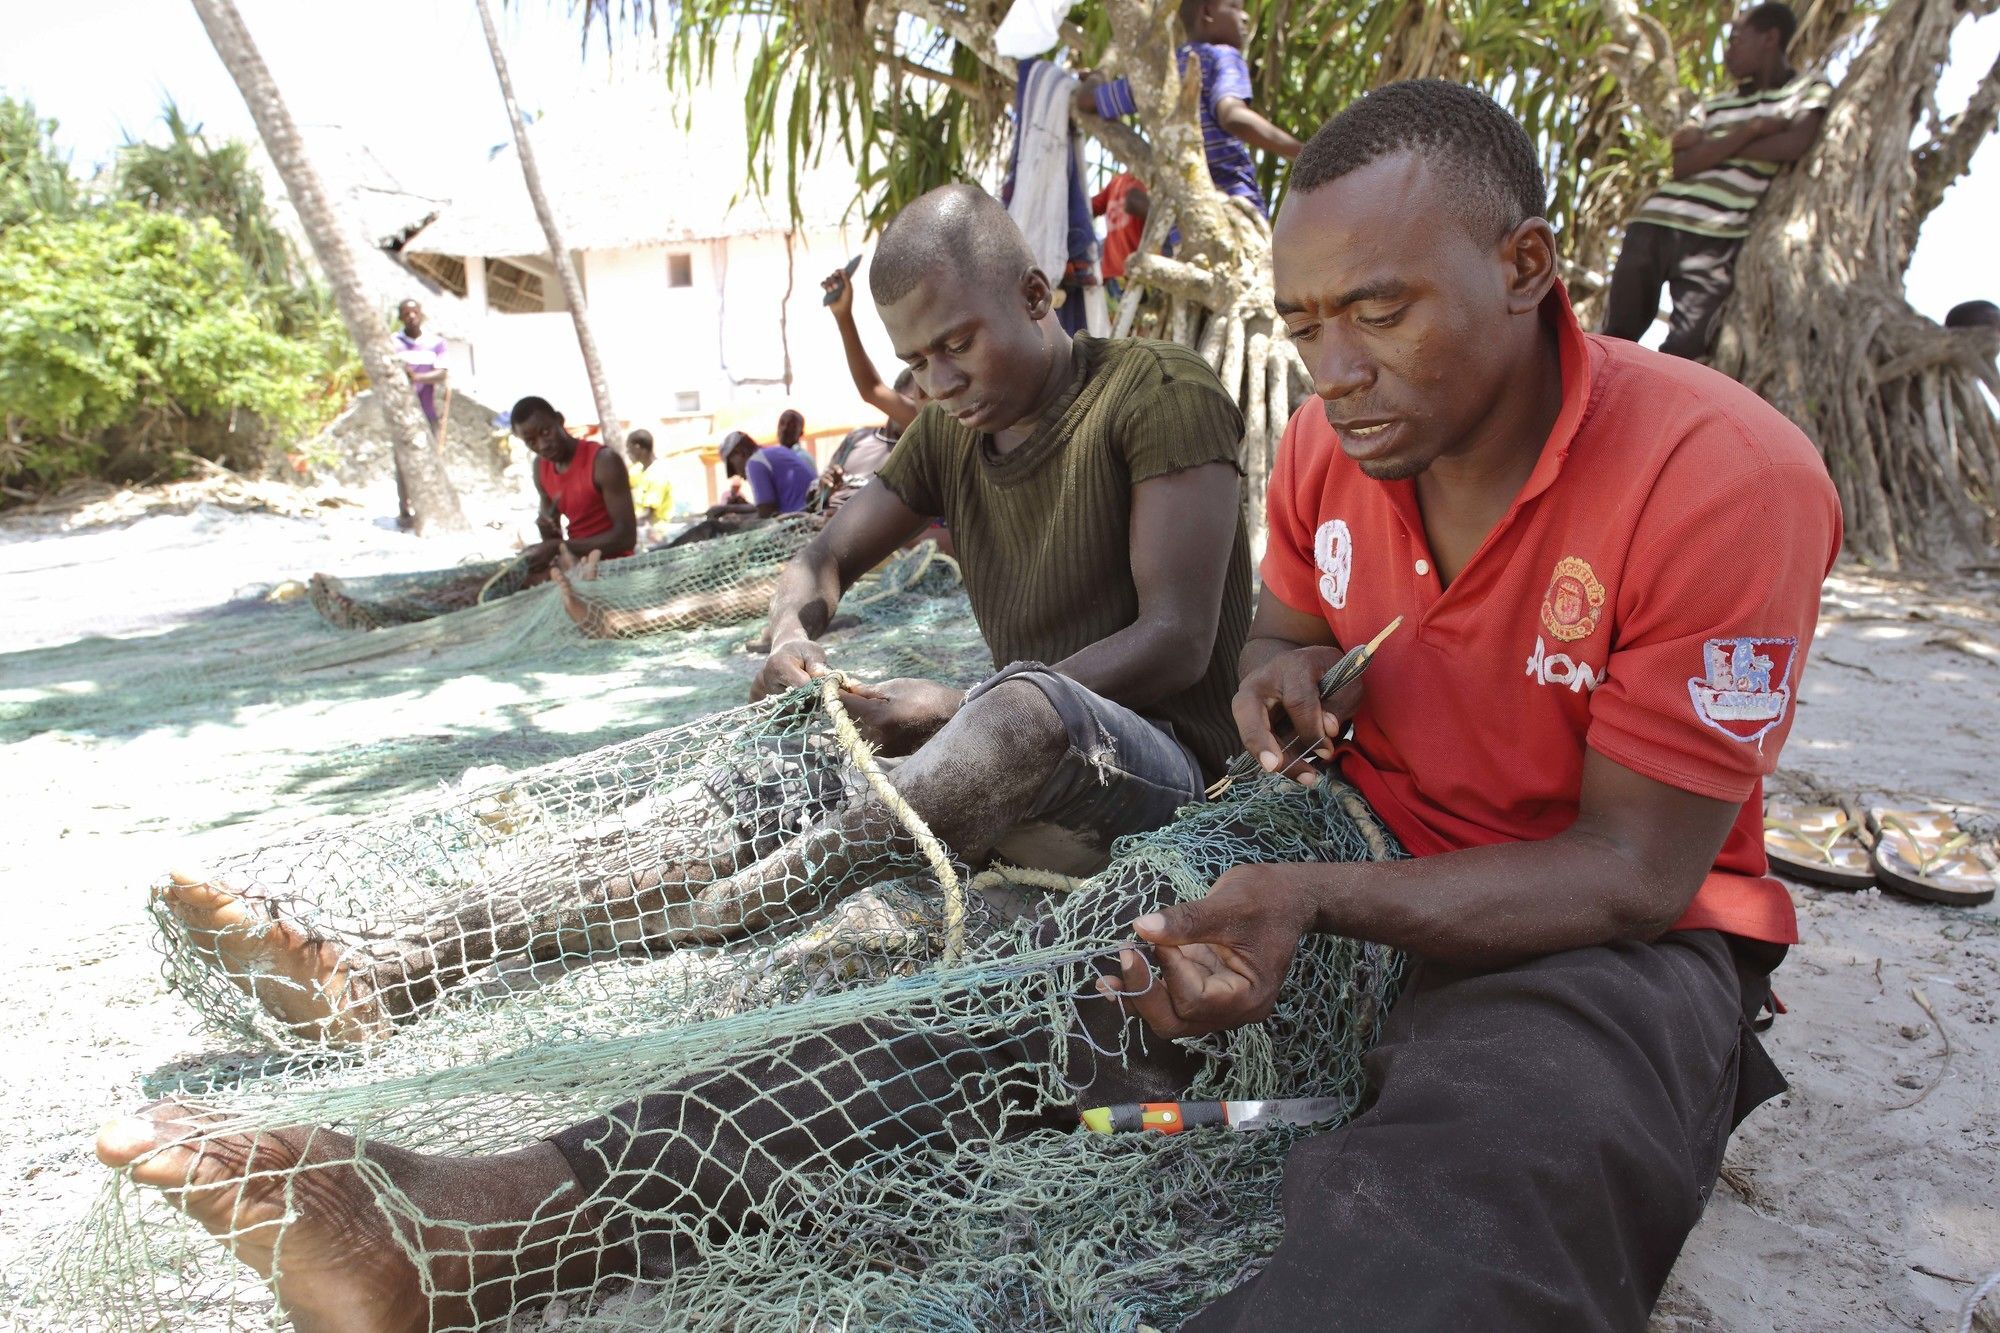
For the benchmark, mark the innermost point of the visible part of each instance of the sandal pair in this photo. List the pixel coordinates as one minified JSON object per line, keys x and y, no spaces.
{"x":1923,"y":854}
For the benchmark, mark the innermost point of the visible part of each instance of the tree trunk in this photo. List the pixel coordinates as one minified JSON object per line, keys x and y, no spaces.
{"x":600,"y":388}
{"x":1819,"y":325}
{"x":432,"y":499}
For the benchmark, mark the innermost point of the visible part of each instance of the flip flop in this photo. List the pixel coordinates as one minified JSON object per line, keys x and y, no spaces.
{"x":1820,"y":844}
{"x":1926,"y":854}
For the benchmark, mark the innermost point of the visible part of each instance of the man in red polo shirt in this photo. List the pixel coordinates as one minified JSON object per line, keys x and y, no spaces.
{"x":1608,"y":566}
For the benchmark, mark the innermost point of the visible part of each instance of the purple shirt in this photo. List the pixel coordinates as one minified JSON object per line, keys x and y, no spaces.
{"x":422,"y":353}
{"x":780,"y":476}
{"x":1224,"y":73}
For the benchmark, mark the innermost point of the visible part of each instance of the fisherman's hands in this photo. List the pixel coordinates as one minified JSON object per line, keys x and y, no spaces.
{"x":1279,"y":712}
{"x":791,"y":663}
{"x":841,"y":288}
{"x":1222,"y":958}
{"x":541,"y":555}
{"x":898,"y":716}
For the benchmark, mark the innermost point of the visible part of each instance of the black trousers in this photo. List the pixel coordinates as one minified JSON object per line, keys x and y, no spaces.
{"x":1698,"y":272}
{"x":1537,"y":1144}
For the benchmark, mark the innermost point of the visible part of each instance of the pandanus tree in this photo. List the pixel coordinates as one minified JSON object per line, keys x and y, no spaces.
{"x":915,"y":93}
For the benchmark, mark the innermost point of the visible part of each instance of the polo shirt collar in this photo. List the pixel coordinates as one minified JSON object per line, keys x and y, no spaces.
{"x":1573,"y":353}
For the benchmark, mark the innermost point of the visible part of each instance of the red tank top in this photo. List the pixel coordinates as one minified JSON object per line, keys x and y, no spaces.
{"x":574,"y":490}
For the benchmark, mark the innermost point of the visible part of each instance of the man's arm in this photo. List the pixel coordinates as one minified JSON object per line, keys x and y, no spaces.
{"x":548,"y":518}
{"x":861,"y":534}
{"x":1627,"y":869}
{"x":1237,"y":117}
{"x":1696,"y":152}
{"x":1182,"y":526}
{"x":1788,"y":144}
{"x":867,"y":382}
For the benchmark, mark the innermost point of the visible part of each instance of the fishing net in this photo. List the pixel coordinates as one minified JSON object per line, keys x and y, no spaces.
{"x":728,"y":579}
{"x":350,"y":720}
{"x":844,"y":1065}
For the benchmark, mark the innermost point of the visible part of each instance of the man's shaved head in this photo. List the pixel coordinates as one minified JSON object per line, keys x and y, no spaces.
{"x":954,"y":231}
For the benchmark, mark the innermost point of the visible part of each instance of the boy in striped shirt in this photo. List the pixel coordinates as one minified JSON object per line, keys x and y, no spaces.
{"x":1688,"y":232}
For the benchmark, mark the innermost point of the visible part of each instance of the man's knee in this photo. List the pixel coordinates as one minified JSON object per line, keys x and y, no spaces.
{"x":1014,"y":718}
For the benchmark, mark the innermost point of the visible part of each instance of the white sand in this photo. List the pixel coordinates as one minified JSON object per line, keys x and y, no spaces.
{"x":1866,"y":1199}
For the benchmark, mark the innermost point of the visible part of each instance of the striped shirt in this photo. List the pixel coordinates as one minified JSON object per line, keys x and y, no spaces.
{"x":1044,"y":532}
{"x":1718,"y":202}
{"x":1224,"y":73}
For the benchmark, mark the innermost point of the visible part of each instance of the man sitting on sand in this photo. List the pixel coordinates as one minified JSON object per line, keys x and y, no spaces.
{"x":586,"y":507}
{"x":1095,"y":491}
{"x":652,"y":488}
{"x":1587,"y":912}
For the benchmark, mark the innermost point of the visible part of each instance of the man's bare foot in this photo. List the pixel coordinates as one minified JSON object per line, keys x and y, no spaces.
{"x":495,"y":1228}
{"x":301,"y":980}
{"x":589,"y":616}
{"x":335,"y":607}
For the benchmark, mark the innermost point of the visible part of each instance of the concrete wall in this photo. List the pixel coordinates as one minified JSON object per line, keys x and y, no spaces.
{"x":712,"y":339}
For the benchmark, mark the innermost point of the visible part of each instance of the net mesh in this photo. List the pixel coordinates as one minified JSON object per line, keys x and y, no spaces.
{"x":514,"y":681}
{"x":821,"y":1078}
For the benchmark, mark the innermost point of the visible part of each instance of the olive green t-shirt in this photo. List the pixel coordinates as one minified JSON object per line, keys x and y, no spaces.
{"x":1044,"y":533}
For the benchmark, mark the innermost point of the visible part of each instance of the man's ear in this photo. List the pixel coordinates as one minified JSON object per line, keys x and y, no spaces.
{"x":1528,"y":254}
{"x":1037,"y":291}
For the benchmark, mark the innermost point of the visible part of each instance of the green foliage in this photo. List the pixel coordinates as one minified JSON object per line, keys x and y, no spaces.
{"x":34,"y":177}
{"x":128,"y":338}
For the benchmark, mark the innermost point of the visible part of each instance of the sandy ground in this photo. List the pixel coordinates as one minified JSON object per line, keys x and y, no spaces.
{"x":1868,"y":1198}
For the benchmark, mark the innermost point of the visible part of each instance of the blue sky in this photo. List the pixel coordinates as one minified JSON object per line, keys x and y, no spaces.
{"x":411,"y":79}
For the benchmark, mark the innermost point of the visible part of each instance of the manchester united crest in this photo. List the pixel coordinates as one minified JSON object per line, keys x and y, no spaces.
{"x":1574,"y":602}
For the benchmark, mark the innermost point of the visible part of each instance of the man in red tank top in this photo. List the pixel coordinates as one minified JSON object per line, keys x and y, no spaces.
{"x":584,"y":488}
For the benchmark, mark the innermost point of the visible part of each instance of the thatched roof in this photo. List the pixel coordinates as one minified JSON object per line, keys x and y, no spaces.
{"x":620,"y":173}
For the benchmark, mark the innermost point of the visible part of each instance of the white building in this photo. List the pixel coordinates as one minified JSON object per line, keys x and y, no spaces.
{"x":703,"y":298}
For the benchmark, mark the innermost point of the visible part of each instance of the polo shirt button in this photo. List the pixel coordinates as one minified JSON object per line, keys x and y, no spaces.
{"x":1423,"y":568}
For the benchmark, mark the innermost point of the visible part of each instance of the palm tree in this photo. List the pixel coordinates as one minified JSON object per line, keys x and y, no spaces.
{"x":432,"y":499}
{"x":916,"y":93}
{"x":572,"y":289}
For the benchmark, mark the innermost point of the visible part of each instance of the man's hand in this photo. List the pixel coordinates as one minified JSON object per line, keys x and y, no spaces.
{"x":1687,"y":136}
{"x":1278,"y":710}
{"x":898,"y":716}
{"x":1222,"y":958}
{"x":841,"y":288}
{"x":790,"y":664}
{"x":542,"y":554}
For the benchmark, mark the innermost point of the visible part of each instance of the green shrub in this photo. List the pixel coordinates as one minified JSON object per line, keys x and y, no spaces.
{"x":128,"y":338}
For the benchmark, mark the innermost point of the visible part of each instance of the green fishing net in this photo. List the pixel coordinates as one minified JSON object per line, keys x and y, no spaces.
{"x":346,"y":721}
{"x":846,"y":1064}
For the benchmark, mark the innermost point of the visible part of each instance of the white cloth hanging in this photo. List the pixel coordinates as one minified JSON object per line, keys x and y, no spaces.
{"x":1040,"y":203}
{"x":1030,"y":28}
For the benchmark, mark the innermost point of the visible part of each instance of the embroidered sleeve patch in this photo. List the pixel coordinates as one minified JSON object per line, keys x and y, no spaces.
{"x":1744,"y":688}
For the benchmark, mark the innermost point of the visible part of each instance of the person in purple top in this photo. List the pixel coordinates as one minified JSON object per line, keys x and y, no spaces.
{"x":781,"y":478}
{"x":1216,"y":32}
{"x":423,"y":362}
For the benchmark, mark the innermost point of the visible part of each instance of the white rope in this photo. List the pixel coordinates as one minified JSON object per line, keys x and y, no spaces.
{"x":927,"y":842}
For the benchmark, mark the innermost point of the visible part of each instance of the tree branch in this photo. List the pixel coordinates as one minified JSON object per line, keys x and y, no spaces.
{"x":1175,"y":278}
{"x":952,"y":81}
{"x":1948,"y":155}
{"x":961,"y":28}
{"x":1126,"y":144}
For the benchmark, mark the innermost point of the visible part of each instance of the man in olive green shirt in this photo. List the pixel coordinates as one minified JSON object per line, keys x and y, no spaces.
{"x":1093,"y":492}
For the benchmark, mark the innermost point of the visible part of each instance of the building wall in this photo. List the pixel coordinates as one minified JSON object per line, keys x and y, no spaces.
{"x":714,"y":339}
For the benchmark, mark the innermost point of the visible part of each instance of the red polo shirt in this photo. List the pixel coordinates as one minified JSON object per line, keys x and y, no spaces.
{"x":1650,"y":594}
